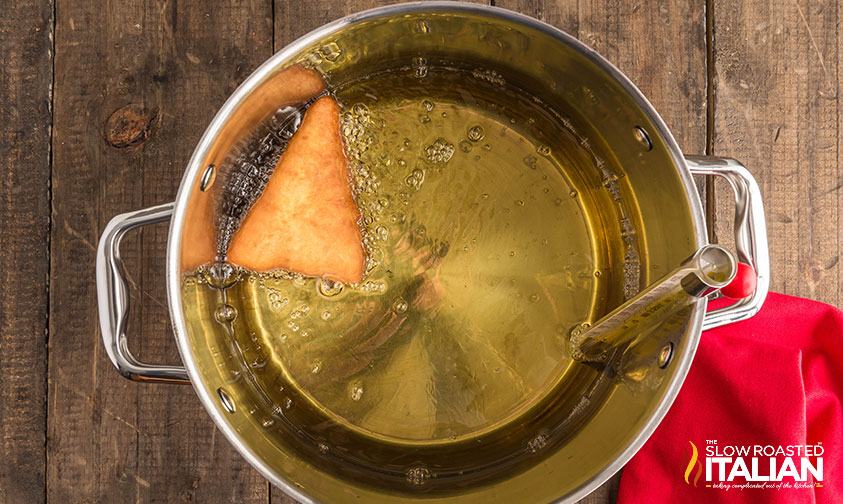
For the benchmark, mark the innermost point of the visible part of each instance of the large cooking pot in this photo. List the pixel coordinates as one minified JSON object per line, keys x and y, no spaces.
{"x":575,"y":439}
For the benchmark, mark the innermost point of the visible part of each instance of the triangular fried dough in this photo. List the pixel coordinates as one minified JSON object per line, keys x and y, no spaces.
{"x":291,"y":86}
{"x":306,"y":220}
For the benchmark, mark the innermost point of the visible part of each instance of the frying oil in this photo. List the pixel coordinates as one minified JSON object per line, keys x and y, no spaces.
{"x":484,"y":248}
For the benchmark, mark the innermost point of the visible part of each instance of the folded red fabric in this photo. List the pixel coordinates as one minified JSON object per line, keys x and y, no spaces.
{"x":773,"y":380}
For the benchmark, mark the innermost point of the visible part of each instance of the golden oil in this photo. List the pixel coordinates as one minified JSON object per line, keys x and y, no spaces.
{"x":489,"y":222}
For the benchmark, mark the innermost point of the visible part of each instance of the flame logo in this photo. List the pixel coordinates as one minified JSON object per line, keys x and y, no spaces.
{"x":691,"y":463}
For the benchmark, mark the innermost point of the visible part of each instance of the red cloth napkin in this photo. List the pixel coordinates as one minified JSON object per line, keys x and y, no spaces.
{"x":774,"y":379}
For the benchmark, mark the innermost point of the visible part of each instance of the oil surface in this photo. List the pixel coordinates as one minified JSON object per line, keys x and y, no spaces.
{"x":483,"y":251}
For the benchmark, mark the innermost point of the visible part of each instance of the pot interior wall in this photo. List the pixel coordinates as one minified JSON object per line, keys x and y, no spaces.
{"x":643,"y":226}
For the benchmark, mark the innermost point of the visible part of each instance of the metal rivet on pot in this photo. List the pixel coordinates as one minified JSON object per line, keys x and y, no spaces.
{"x":226,"y":400}
{"x":643,"y":138}
{"x":207,"y":178}
{"x":665,"y":354}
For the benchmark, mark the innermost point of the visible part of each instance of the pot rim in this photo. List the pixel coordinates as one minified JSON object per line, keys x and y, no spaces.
{"x":441,"y":6}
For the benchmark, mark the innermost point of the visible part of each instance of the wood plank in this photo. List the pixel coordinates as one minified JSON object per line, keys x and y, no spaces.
{"x":136,"y":84}
{"x":777,"y":111}
{"x":294,"y":18}
{"x":25,"y":89}
{"x":660,"y":46}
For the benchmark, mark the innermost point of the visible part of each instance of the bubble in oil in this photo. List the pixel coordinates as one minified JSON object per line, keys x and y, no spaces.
{"x":487,"y":147}
{"x":361,"y":111}
{"x":326,"y":315}
{"x":424,"y":118}
{"x":225,"y":313}
{"x":329,"y":288}
{"x":288,"y":403}
{"x":421,"y":26}
{"x":439,"y":151}
{"x":331,"y":51}
{"x":530,"y":161}
{"x":313,"y":58}
{"x":465,"y":146}
{"x":418,"y":475}
{"x":427,"y":105}
{"x":356,"y":390}
{"x":543,"y":150}
{"x":476,"y":133}
{"x":489,"y":76}
{"x":249,"y":166}
{"x":382,"y":232}
{"x":631,"y":272}
{"x":323,"y":448}
{"x":221,"y":275}
{"x":576,"y":336}
{"x":373,"y":287}
{"x":419,"y":67}
{"x":537,"y":443}
{"x":400,"y":306}
{"x":316,"y":366}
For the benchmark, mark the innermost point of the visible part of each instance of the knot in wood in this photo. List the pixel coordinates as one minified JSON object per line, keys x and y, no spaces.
{"x":128,"y":126}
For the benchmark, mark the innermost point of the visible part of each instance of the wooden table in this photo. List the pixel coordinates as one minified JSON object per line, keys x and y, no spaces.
{"x":101,"y":103}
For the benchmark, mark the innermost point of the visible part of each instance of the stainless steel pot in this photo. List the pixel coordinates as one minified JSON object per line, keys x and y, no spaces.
{"x":640,"y":391}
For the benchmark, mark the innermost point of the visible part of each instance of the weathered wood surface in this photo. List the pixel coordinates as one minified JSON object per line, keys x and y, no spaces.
{"x":777,"y":111}
{"x":136,"y":83}
{"x":25,"y":82}
{"x":72,"y":430}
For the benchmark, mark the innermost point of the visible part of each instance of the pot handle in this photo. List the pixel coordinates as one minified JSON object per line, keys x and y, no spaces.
{"x":750,"y":234}
{"x":113,"y":298}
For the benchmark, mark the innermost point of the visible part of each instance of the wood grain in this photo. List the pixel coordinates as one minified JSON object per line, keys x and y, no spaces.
{"x":778,"y":112}
{"x":25,"y":82}
{"x":660,"y":46}
{"x":136,"y":83}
